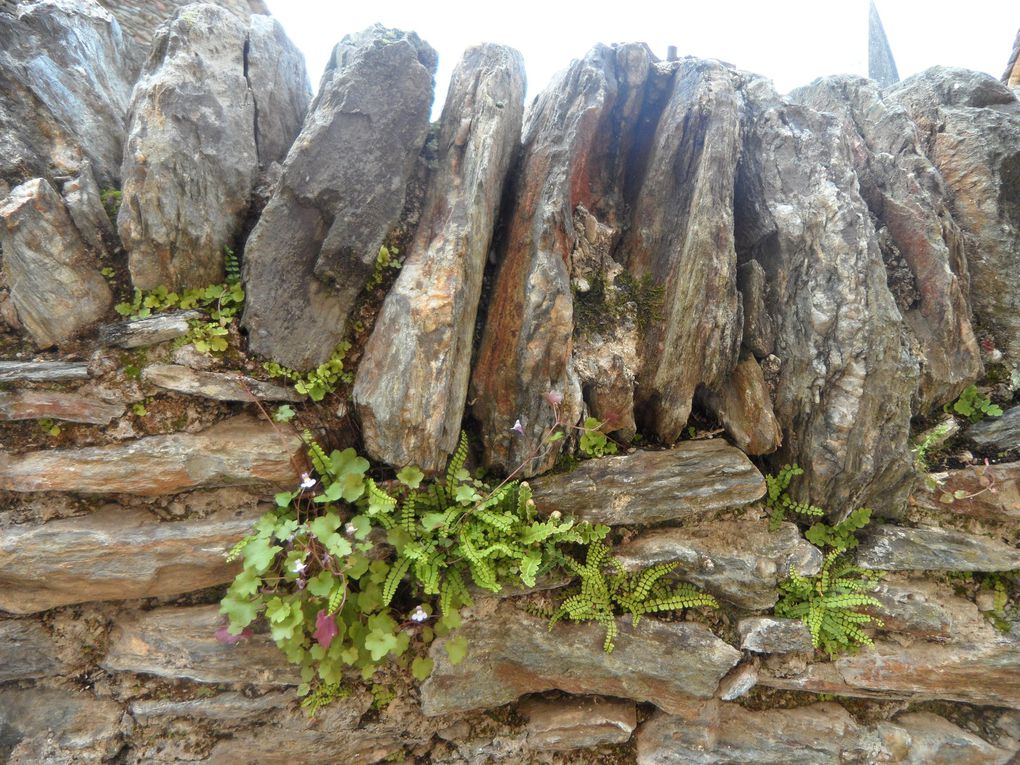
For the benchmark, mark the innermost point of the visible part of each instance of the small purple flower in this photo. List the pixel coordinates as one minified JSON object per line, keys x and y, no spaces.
{"x":518,"y":428}
{"x":554,"y":397}
{"x":307,"y":481}
{"x":301,"y":583}
{"x":419,"y":615}
{"x":325,"y":628}
{"x":299,"y":566}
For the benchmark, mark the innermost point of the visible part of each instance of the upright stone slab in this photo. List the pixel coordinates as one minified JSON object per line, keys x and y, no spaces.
{"x":847,"y":376}
{"x":907,"y":196}
{"x":342,"y":191}
{"x":413,"y":376}
{"x":55,"y":283}
{"x":64,"y":91}
{"x":190,"y":158}
{"x":970,"y":126}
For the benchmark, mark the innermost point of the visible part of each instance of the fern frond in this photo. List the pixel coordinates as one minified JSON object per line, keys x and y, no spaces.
{"x":393,"y":579}
{"x":456,"y":464}
{"x":317,"y":456}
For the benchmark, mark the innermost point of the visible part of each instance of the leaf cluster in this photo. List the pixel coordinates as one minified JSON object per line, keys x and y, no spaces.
{"x":972,"y":405}
{"x":319,"y":382}
{"x":827,"y":603}
{"x":780,"y":502}
{"x":841,"y":536}
{"x":386,"y":260}
{"x":606,"y":589}
{"x":593,"y":442}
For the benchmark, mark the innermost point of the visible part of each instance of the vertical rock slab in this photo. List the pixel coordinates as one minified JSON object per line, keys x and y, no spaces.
{"x":844,"y":390}
{"x":413,"y":376}
{"x":64,"y":91}
{"x":342,"y":191}
{"x":55,"y":284}
{"x":906,"y":194}
{"x":276,"y":74}
{"x":743,"y":405}
{"x":681,"y":238}
{"x":85,"y":206}
{"x":970,"y":124}
{"x":527,"y":342}
{"x":190,"y":159}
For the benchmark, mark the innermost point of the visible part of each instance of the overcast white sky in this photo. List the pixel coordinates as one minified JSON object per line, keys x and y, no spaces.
{"x":791,"y":41}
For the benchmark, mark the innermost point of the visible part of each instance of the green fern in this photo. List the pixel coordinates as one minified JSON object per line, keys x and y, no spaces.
{"x":601,"y":595}
{"x":781,"y":503}
{"x":827,"y":604}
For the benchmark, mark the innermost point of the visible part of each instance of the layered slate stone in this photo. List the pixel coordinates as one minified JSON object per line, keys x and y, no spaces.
{"x":115,"y":554}
{"x":510,"y":653}
{"x":739,"y":561}
{"x":647,"y":487}
{"x":191,"y":158}
{"x":43,"y":371}
{"x":970,"y":125}
{"x":151,"y":330}
{"x":236,"y":452}
{"x":412,"y":380}
{"x":999,"y":507}
{"x":578,"y":723}
{"x":27,"y":651}
{"x":54,"y":405}
{"x":181,"y":643}
{"x":64,"y":91}
{"x":764,"y":634}
{"x":54,"y":279}
{"x":344,"y":181}
{"x":898,"y":548}
{"x":847,"y":374}
{"x":906,"y":194}
{"x":221,"y":386}
{"x":1000,"y":433}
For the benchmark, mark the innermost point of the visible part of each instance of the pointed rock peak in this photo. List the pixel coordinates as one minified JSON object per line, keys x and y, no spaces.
{"x":1012,"y":74}
{"x":881,"y":64}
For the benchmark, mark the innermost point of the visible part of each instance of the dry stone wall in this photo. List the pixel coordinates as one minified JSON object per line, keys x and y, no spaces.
{"x":727,"y":278}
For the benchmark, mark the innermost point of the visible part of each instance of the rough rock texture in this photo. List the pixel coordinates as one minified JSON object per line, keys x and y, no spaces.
{"x":819,"y":734}
{"x":181,"y":642}
{"x":43,"y":371}
{"x":844,"y":389}
{"x":907,"y":196}
{"x":115,"y":554}
{"x":759,"y":335}
{"x":223,"y":707}
{"x":763,"y":634}
{"x":84,"y":203}
{"x":917,"y":608}
{"x":342,"y":191}
{"x":64,"y":91}
{"x":62,"y":726}
{"x":578,"y":723}
{"x":191,"y":158}
{"x":739,"y":561}
{"x":970,"y":126}
{"x":236,"y":452}
{"x":999,"y":507}
{"x":27,"y":651}
{"x":512,"y":653}
{"x":739,"y":681}
{"x":1001,"y":433}
{"x":222,"y":386}
{"x":744,"y":407}
{"x":148,"y":331}
{"x":71,"y":407}
{"x":413,"y":377}
{"x":649,"y":487}
{"x":896,"y":548}
{"x":55,"y":284}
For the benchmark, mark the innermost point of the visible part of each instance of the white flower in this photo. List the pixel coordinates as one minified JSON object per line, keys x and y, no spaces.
{"x":299,"y":566}
{"x":350,"y":529}
{"x":518,"y":428}
{"x":419,"y":615}
{"x":307,"y":481}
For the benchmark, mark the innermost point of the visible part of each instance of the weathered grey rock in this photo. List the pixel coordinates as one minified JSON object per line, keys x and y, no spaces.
{"x":190,"y":158}
{"x":739,"y":561}
{"x":978,"y":500}
{"x":413,"y":377}
{"x":55,"y":284}
{"x":115,"y":554}
{"x":738,"y":682}
{"x":917,"y":608}
{"x":1000,"y":433}
{"x":812,"y":735}
{"x":43,"y":371}
{"x":759,"y":335}
{"x":511,"y":653}
{"x":58,"y":725}
{"x":906,"y":194}
{"x":648,"y":487}
{"x":222,"y":708}
{"x":934,"y":739}
{"x":27,"y":651}
{"x":743,"y":404}
{"x":342,"y":191}
{"x":237,"y":452}
{"x":681,"y":237}
{"x":881,"y":64}
{"x":275,"y":70}
{"x":148,"y":331}
{"x":181,"y":643}
{"x":970,"y":123}
{"x":64,"y":91}
{"x":578,"y":723}
{"x":84,"y":204}
{"x":764,"y":634}
{"x":71,"y":407}
{"x":898,"y":548}
{"x":221,"y":386}
{"x":843,"y":394}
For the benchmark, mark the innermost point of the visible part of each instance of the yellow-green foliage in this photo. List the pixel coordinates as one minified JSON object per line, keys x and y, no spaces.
{"x":319,"y":382}
{"x":780,"y":502}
